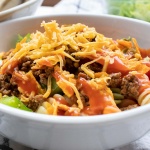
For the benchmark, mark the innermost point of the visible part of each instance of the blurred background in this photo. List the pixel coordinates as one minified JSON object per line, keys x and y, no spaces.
{"x":138,"y":9}
{"x":50,"y":2}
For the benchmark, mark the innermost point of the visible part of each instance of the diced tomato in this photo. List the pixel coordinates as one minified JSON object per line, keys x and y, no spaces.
{"x":117,"y":66}
{"x":145,"y":52}
{"x":148,"y":74}
{"x":60,"y":112}
{"x":9,"y":66}
{"x":99,"y":99}
{"x":60,"y":99}
{"x":26,"y":83}
{"x":147,"y":64}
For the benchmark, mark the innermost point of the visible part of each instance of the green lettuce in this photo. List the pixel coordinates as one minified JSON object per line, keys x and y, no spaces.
{"x":13,"y":101}
{"x":139,"y":9}
{"x":21,"y":38}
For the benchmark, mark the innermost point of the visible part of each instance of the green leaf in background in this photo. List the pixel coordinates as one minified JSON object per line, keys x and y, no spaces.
{"x":139,"y":9}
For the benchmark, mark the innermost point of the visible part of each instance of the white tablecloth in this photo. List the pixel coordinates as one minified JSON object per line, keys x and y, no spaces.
{"x":76,"y":6}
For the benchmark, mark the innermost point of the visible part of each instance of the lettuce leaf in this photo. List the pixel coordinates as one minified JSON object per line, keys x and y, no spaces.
{"x":139,"y":9}
{"x":21,"y":37}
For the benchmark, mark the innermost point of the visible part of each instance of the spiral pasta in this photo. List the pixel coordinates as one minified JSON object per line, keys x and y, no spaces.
{"x":144,"y":92}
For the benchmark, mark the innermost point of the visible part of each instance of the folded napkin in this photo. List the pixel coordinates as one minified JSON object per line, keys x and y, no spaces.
{"x":67,"y":7}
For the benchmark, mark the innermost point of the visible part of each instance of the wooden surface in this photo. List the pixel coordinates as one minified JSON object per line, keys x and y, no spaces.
{"x":50,"y":2}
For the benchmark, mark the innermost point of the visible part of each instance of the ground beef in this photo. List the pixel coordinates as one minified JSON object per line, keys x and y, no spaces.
{"x":130,"y":86}
{"x":96,"y":67}
{"x":48,"y":71}
{"x":7,"y":87}
{"x":25,"y":64}
{"x":84,"y":99}
{"x":115,"y":80}
{"x":41,"y":75}
{"x":43,"y":78}
{"x":129,"y":107}
{"x":35,"y":102}
{"x":70,"y":66}
{"x":83,"y":75}
{"x":73,"y":100}
{"x":37,"y":72}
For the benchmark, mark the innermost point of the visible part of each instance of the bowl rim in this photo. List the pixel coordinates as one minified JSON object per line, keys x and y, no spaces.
{"x":43,"y":118}
{"x":18,"y":7}
{"x":108,"y":16}
{"x":7,"y":110}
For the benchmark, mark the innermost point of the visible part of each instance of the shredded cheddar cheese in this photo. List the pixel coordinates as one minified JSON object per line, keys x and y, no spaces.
{"x":79,"y":101}
{"x":48,"y":92}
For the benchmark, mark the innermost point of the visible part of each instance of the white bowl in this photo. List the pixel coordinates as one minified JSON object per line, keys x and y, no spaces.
{"x":75,"y":133}
{"x":25,"y":9}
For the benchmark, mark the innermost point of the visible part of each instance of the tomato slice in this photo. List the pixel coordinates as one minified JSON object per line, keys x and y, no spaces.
{"x":148,"y":74}
{"x":9,"y":66}
{"x":144,"y":52}
{"x":27,"y":83}
{"x":117,"y":66}
{"x":99,"y":98}
{"x":147,"y":63}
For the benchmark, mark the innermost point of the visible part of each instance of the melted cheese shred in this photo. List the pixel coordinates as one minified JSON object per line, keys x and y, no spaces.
{"x":106,"y":62}
{"x":89,"y":72}
{"x":79,"y":101}
{"x":61,"y":62}
{"x":48,"y":92}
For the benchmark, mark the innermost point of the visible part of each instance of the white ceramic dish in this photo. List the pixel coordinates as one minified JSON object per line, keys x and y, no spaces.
{"x":75,"y":133}
{"x":25,"y":9}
